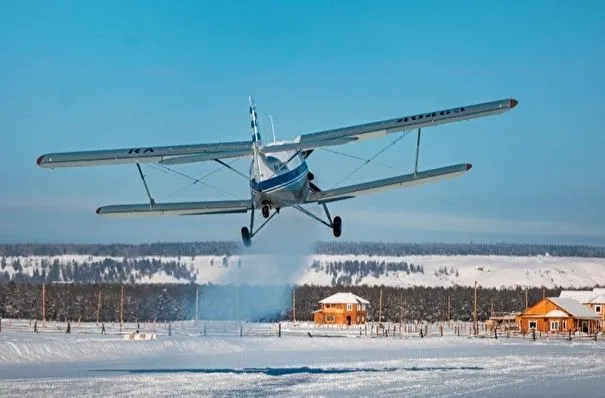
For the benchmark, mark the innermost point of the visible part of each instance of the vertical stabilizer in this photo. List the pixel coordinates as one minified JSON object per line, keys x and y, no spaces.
{"x":256,"y":141}
{"x":254,"y":123}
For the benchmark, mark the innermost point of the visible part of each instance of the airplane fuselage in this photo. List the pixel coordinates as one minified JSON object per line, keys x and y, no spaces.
{"x":278,"y":179}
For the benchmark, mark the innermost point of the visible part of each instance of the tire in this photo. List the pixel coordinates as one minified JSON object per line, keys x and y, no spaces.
{"x":337,"y":226}
{"x":246,"y":237}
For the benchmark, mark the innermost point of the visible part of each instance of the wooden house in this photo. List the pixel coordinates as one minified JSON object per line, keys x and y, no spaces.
{"x":558,"y":315}
{"x":342,"y":309}
{"x":593,"y":299}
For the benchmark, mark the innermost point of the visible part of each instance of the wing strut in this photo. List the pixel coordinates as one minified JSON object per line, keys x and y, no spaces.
{"x":151,"y":201}
{"x":417,"y":153}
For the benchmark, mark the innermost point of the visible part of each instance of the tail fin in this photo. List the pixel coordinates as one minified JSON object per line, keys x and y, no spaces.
{"x":254,"y":122}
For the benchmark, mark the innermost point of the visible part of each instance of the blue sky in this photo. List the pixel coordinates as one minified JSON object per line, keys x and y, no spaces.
{"x":92,"y":75}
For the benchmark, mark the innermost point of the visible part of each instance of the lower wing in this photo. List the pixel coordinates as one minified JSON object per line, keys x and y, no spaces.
{"x":403,"y":181}
{"x":176,"y":209}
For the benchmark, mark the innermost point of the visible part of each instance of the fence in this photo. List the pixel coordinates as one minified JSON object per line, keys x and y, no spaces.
{"x":229,"y":329}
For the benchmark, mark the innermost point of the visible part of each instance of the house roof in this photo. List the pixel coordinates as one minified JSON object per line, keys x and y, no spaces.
{"x":556,"y":314}
{"x":597,"y":295}
{"x":583,"y":296}
{"x":600,"y":299}
{"x":573,"y":307}
{"x":344,"y":298}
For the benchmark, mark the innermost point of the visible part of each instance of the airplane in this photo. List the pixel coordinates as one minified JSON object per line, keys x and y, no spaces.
{"x":279,"y":176}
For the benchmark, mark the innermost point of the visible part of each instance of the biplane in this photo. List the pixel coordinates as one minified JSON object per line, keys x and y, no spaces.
{"x":279,"y":176}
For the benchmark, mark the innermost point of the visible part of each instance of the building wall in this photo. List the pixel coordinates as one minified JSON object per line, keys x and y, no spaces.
{"x":544,"y":324}
{"x":340,"y":314}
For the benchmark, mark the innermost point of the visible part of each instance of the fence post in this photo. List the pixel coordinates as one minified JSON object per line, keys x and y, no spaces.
{"x":533,"y":334}
{"x":496,"y":333}
{"x":204,"y":328}
{"x":241,"y":331}
{"x":279,"y":330}
{"x":441,"y":330}
{"x":421,"y":334}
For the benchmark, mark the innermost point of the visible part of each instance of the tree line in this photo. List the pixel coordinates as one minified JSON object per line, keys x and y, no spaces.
{"x":229,"y":248}
{"x":171,"y":302}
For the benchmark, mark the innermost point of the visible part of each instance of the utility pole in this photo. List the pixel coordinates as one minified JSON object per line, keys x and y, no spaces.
{"x":475,"y":312}
{"x":121,"y":305}
{"x":380,"y":309}
{"x":294,"y":304}
{"x":526,"y":298}
{"x":99,"y":307}
{"x":543,"y":292}
{"x":43,"y":304}
{"x":197,"y":303}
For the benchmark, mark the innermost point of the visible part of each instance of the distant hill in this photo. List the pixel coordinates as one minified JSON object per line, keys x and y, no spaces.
{"x":229,"y":248}
{"x":346,"y":264}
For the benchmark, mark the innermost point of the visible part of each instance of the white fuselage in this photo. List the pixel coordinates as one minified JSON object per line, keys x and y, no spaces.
{"x":278,"y":179}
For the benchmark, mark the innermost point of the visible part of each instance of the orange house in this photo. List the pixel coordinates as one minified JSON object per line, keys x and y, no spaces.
{"x":558,"y":315}
{"x":342,"y":309}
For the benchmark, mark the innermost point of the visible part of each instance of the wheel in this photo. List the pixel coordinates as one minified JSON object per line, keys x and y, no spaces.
{"x":265,"y":211}
{"x":246,"y":236}
{"x":337,"y":226}
{"x":310,"y":176}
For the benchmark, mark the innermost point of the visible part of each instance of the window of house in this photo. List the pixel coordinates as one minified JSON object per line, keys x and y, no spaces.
{"x":564,"y":325}
{"x":329,"y":318}
{"x":597,"y":309}
{"x":533,"y":324}
{"x":554,"y":325}
{"x":349,"y":307}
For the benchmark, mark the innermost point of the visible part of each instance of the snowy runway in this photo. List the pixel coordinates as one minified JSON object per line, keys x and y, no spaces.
{"x":56,"y":364}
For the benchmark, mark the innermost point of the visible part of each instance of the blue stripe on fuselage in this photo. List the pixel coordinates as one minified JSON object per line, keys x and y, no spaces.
{"x":280,"y":179}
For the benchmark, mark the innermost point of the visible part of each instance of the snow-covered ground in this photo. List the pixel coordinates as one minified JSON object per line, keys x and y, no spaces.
{"x":489,"y":271}
{"x":188,"y":364}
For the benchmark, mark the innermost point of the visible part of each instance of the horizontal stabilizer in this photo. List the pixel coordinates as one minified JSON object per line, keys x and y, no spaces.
{"x":176,"y":209}
{"x":403,"y":181}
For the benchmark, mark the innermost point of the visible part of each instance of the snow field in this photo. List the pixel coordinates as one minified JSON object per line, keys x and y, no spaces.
{"x":56,"y":364}
{"x":489,"y":271}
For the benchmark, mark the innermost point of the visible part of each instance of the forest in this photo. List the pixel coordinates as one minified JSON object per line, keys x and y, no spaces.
{"x":228,"y":248}
{"x":171,"y":302}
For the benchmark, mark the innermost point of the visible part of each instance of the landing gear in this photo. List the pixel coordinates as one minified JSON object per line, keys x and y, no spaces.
{"x":249,"y":233}
{"x":337,"y":226}
{"x":265,"y":211}
{"x":246,"y":236}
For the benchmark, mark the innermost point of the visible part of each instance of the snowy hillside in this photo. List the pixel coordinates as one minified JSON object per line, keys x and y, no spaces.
{"x":404,"y":271}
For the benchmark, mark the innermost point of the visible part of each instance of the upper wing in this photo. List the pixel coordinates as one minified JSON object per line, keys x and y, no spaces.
{"x":378,"y":129}
{"x":402,"y":181}
{"x":177,"y":209}
{"x":161,"y":154}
